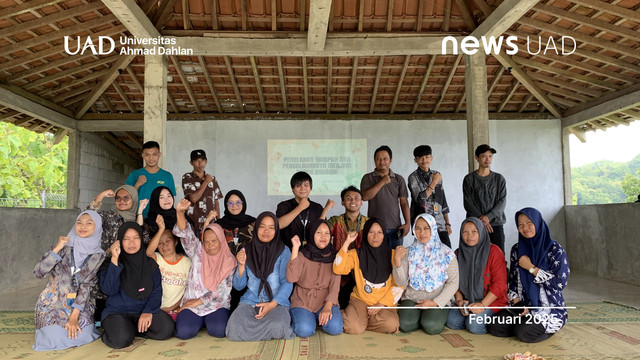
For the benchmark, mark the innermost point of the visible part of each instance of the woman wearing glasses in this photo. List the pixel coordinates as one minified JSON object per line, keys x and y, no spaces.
{"x":237,"y":227}
{"x":126,"y":198}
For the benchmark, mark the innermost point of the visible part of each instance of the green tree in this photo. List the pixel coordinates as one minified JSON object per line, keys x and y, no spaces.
{"x":30,"y":163}
{"x":604,"y":182}
{"x":631,"y":186}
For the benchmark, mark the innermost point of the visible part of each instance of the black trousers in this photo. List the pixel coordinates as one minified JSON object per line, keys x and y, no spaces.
{"x":497,"y":236}
{"x":444,"y":237}
{"x":121,"y":329}
{"x":506,"y":324}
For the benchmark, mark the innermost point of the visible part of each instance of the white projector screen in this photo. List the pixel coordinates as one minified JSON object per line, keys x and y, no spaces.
{"x":333,"y":164}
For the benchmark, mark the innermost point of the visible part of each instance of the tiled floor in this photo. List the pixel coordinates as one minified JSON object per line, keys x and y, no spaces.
{"x":581,"y":288}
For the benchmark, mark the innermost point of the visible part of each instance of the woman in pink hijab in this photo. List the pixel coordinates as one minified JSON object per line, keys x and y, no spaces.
{"x":207,"y":297}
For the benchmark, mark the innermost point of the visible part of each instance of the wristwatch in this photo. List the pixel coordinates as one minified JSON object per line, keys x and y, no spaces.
{"x":532,"y":270}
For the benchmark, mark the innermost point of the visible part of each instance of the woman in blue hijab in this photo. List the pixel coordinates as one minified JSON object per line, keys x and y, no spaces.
{"x":538,"y":274}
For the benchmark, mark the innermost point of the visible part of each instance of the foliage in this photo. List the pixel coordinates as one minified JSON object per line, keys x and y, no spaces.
{"x":631,"y":186}
{"x":605,"y":182}
{"x":31,"y":163}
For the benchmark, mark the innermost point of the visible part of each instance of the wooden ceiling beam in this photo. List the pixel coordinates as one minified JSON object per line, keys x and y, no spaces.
{"x":8,"y":115}
{"x":120,"y":145}
{"x":611,"y":9}
{"x":341,"y":44}
{"x":14,"y":97}
{"x":51,"y":19}
{"x":185,"y":83}
{"x":319,"y":14}
{"x":305,"y":82}
{"x":104,"y":83}
{"x":283,"y":90}
{"x":28,"y":6}
{"x":390,"y":15}
{"x":71,"y":71}
{"x":399,"y":86}
{"x":256,"y":78}
{"x":423,"y":85}
{"x":352,"y":87}
{"x":504,"y":103}
{"x":56,"y":35}
{"x":419,"y":15}
{"x":566,"y":93}
{"x":212,"y":88}
{"x":603,"y":106}
{"x":236,"y":90}
{"x":102,"y":119}
{"x":186,"y":22}
{"x":578,"y":36}
{"x":445,"y":87}
{"x":562,"y":14}
{"x":303,"y":14}
{"x":571,"y":74}
{"x":329,"y":82}
{"x":565,"y":84}
{"x":123,"y":96}
{"x":164,"y":12}
{"x":374,"y":95}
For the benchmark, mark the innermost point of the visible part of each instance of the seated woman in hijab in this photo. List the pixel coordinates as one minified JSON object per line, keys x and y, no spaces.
{"x":160,"y":202}
{"x":315,"y":297}
{"x":64,"y":311}
{"x":430,"y":271}
{"x":263,"y":312}
{"x":133,"y":284}
{"x":126,"y":203}
{"x":538,"y":273}
{"x":238,"y":229}
{"x":206,"y":299}
{"x":483,"y":279}
{"x":237,"y":225}
{"x":174,"y":267}
{"x":373,"y":301}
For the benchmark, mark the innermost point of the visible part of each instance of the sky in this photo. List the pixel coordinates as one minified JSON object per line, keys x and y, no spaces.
{"x":620,"y":144}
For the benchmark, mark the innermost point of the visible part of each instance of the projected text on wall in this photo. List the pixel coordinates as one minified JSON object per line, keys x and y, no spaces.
{"x":333,"y":164}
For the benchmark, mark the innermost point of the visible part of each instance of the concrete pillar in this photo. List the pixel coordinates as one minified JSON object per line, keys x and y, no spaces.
{"x":155,"y":101}
{"x":475,"y":67}
{"x":566,"y":167}
{"x":73,"y":170}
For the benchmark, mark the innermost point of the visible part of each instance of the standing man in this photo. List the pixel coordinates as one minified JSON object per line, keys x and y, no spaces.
{"x":427,"y":193}
{"x":295,"y":215}
{"x":485,"y":195}
{"x":201,"y":189}
{"x":384,"y":189}
{"x":149,"y":177}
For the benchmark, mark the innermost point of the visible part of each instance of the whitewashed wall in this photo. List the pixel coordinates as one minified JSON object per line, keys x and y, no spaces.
{"x":529,"y":156}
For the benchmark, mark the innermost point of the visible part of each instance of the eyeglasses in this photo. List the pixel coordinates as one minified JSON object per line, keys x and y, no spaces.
{"x":123,"y":198}
{"x":237,"y":203}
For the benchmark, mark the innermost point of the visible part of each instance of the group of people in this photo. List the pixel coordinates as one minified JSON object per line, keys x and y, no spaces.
{"x":156,"y":267}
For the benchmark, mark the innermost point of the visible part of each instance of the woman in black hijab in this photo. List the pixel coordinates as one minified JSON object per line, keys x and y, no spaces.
{"x":132,"y":282}
{"x":315,"y":297}
{"x":237,"y":225}
{"x":263,"y":312}
{"x":375,"y":287}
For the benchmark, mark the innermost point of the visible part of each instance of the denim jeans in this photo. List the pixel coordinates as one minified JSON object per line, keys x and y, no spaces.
{"x":457,"y":321}
{"x":392,"y":237}
{"x":304,"y":322}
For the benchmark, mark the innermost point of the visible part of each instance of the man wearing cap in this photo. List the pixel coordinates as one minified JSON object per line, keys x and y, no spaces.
{"x":485,"y":195}
{"x":201,"y":189}
{"x":427,"y":193}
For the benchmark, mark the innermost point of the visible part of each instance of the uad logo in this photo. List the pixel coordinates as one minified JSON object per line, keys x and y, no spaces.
{"x":105,"y":46}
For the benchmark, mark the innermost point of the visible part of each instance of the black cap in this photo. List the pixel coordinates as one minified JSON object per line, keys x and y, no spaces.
{"x":198,"y":154}
{"x":483,"y":149}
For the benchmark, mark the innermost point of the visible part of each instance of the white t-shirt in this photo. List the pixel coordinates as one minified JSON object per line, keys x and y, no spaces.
{"x":174,"y":279}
